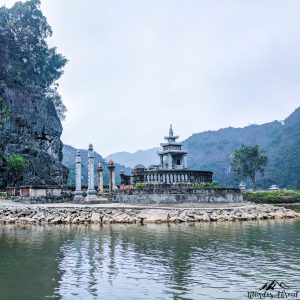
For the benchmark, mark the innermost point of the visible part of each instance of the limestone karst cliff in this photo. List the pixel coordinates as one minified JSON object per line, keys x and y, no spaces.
{"x":32,"y":130}
{"x":29,"y":103}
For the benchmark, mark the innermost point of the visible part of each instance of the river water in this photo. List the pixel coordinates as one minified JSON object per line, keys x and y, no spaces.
{"x":196,"y":261}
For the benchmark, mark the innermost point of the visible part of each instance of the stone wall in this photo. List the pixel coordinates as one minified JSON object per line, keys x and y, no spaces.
{"x":42,"y":194}
{"x":159,"y":195}
{"x":94,"y":215}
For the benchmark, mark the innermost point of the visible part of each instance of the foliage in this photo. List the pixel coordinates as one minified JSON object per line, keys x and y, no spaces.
{"x":248,"y":161}
{"x":26,"y":58}
{"x":3,"y":195}
{"x":280,"y":196}
{"x":139,"y":186}
{"x":15,"y":167}
{"x":206,"y":185}
{"x":53,"y":96}
{"x":4,"y":112}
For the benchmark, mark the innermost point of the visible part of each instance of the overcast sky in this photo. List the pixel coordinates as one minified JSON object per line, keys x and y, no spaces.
{"x":137,"y":66}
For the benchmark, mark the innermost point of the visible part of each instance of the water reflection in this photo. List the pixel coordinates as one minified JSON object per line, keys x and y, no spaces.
{"x":198,"y":261}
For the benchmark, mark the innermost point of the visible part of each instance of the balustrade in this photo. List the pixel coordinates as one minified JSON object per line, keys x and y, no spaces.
{"x":172,"y":176}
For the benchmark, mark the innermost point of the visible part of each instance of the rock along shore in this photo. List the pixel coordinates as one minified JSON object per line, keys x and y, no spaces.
{"x":136,"y":215}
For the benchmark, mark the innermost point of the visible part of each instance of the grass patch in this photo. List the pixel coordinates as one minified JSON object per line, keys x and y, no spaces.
{"x":139,"y":186}
{"x":206,"y":185}
{"x":281,"y":196}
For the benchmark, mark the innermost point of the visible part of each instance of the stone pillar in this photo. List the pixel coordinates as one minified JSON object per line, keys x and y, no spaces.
{"x":78,"y":192}
{"x":168,"y":177}
{"x":161,"y":161}
{"x":170,"y":161}
{"x":184,"y":162}
{"x":242,"y":186}
{"x":91,"y":192}
{"x":111,"y":175}
{"x":100,"y":178}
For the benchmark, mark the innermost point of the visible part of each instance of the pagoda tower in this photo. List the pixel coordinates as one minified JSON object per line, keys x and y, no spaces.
{"x":172,"y":157}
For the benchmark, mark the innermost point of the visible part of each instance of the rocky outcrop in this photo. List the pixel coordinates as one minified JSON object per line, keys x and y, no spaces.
{"x":94,"y":215}
{"x":32,"y":130}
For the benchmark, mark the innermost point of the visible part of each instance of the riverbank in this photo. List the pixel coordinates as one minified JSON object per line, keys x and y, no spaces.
{"x":110,"y":214}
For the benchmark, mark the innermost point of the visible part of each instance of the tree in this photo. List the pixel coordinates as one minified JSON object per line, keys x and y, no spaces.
{"x":248,"y":161}
{"x":26,"y":59}
{"x":15,"y":167}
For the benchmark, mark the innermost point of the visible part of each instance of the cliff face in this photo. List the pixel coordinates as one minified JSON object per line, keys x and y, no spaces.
{"x":33,"y":130}
{"x":29,"y":101}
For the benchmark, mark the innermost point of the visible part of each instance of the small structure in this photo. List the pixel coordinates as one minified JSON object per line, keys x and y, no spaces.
{"x":171,"y":170}
{"x":274,"y":187}
{"x":11,"y":191}
{"x":242,"y":186}
{"x":45,"y":193}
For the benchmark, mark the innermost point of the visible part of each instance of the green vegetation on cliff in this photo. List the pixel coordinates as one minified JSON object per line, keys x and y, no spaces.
{"x":16,"y":165}
{"x":26,"y":59}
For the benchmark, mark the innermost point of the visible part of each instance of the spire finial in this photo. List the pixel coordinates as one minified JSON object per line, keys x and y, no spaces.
{"x":171,"y":130}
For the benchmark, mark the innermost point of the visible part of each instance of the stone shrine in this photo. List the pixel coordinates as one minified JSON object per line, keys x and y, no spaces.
{"x":171,"y":170}
{"x":172,"y":157}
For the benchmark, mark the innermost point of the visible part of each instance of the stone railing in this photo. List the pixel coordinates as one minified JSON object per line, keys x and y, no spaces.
{"x":171,"y":176}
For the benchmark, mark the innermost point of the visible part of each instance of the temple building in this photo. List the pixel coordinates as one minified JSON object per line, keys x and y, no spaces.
{"x":172,"y":168}
{"x":171,"y":156}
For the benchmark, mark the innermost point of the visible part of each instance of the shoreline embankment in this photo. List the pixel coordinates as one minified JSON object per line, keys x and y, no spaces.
{"x":113,"y":214}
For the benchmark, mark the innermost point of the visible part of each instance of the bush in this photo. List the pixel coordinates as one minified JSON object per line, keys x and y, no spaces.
{"x":206,"y":185}
{"x":16,"y":165}
{"x":140,"y":186}
{"x":3,"y":195}
{"x":273,"y":197}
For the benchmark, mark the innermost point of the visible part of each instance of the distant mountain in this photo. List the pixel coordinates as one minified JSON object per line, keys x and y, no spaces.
{"x":146,"y":157}
{"x":212,"y":150}
{"x":69,"y":156}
